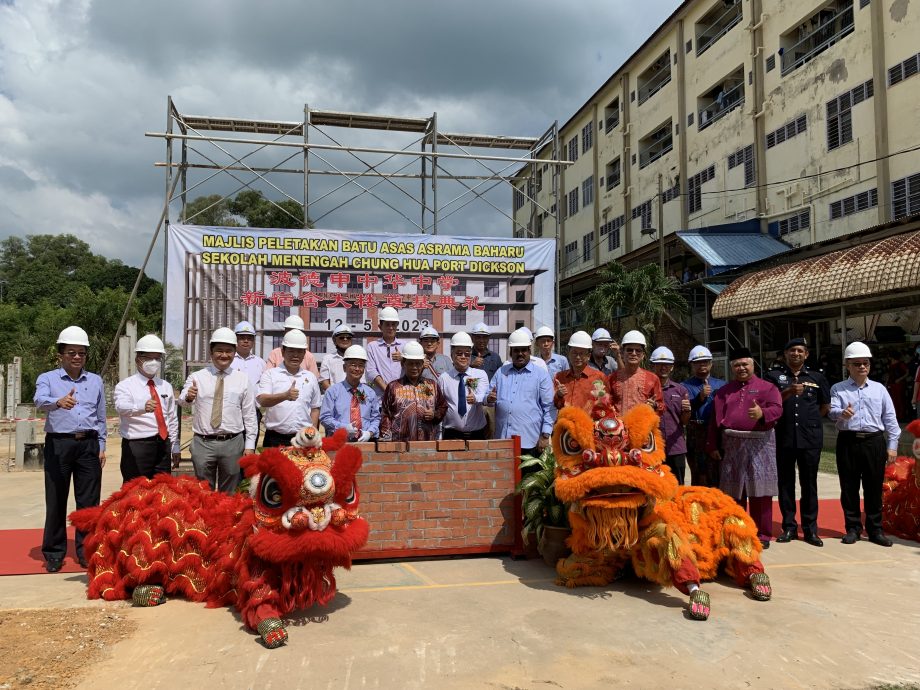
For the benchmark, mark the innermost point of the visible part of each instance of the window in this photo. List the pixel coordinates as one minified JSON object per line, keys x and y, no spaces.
{"x":571,"y":251}
{"x":771,"y":63}
{"x":317,"y":344}
{"x":425,"y":315}
{"x":490,"y":317}
{"x":518,"y":199}
{"x":854,"y":204}
{"x":816,"y":34}
{"x":716,"y":23}
{"x":458,"y":317}
{"x":587,"y":246}
{"x":460,"y":287}
{"x":655,"y":145}
{"x":494,"y":343}
{"x":612,"y":230}
{"x":518,"y":324}
{"x":694,"y":191}
{"x":276,"y":341}
{"x":279,"y":314}
{"x":721,"y":99}
{"x":652,"y":80}
{"x":794,"y":223}
{"x":573,"y":149}
{"x":905,"y":196}
{"x":354,"y":315}
{"x":587,"y":137}
{"x":490,"y":288}
{"x":671,"y":193}
{"x":787,"y":131}
{"x":318,"y":314}
{"x":903,"y":70}
{"x":840,"y":116}
{"x":644,"y":212}
{"x":587,"y":191}
{"x":520,"y":296}
{"x":573,"y":203}
{"x":613,"y":174}
{"x":611,"y":115}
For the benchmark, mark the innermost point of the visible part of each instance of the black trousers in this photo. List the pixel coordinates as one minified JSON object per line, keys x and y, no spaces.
{"x":273,"y":439}
{"x":145,"y":457}
{"x":678,"y":465}
{"x":861,"y":461}
{"x":449,"y":434}
{"x":704,"y":471}
{"x":67,"y":458}
{"x":807,"y":460}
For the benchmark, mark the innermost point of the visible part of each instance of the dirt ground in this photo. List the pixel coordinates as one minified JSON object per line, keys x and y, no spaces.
{"x":53,"y":648}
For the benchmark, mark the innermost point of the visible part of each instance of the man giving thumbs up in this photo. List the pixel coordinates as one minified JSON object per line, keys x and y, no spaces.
{"x":290,"y":395}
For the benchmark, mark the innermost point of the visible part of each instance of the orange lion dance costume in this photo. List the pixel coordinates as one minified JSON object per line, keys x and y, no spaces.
{"x":626,"y":506}
{"x":269,"y":553}
{"x":901,"y":492}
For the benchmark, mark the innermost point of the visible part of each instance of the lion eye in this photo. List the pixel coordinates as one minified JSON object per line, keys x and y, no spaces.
{"x":569,"y":445}
{"x":649,"y":446}
{"x":270,"y":493}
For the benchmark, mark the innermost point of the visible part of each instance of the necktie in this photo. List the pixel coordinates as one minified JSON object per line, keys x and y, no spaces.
{"x":161,"y":420}
{"x":217,"y":407}
{"x":461,"y":395}
{"x":355,"y":412}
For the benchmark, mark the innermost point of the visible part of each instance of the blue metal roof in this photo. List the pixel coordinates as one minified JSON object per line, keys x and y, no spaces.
{"x":721,"y":251}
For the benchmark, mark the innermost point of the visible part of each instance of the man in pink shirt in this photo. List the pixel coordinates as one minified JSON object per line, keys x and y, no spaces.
{"x":276,"y":358}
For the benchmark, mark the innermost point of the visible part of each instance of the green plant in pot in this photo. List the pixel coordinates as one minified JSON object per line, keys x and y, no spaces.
{"x":545,"y":516}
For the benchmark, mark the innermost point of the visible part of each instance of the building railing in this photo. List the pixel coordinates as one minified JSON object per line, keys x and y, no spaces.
{"x":725,"y":103}
{"x":718,"y":28}
{"x":655,"y":151}
{"x":830,"y":30}
{"x":655,"y":84}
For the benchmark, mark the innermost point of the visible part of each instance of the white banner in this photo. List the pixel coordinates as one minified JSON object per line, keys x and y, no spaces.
{"x":220,"y":276}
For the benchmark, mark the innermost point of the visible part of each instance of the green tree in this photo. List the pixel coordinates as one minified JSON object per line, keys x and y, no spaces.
{"x":250,"y":208}
{"x":635,"y":299}
{"x":210,"y":210}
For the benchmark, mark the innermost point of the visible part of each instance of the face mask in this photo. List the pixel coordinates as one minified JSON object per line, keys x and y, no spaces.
{"x":151,"y":367}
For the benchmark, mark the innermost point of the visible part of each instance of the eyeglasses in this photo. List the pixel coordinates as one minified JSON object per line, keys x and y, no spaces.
{"x":462,"y":354}
{"x":74,"y":353}
{"x":861,"y":365}
{"x":637,"y":350}
{"x":344,"y":336}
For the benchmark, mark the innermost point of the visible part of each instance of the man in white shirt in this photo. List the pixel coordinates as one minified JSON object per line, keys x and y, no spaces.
{"x":146,"y":406}
{"x":309,"y":361}
{"x":223,"y":410}
{"x":332,"y":368}
{"x":248,"y":362}
{"x":289,"y":395}
{"x":465,"y":389}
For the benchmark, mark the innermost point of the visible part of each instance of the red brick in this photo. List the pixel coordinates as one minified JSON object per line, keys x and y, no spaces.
{"x":365,"y":447}
{"x":501,"y":443}
{"x":477,"y":445}
{"x":423,"y":445}
{"x":457,"y":444}
{"x":391,"y":446}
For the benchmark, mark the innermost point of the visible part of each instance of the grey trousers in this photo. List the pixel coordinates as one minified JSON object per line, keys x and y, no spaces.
{"x":218,"y":462}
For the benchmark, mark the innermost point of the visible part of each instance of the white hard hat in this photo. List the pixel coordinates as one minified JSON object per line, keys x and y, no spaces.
{"x":699,"y":353}
{"x":223,"y":335}
{"x":429,"y":332}
{"x":342,"y":328}
{"x":296,"y":339}
{"x":150,"y":343}
{"x":857,"y":349}
{"x":355,"y":352}
{"x":480,"y":329}
{"x":244,"y":328}
{"x":294,"y":322}
{"x":662,"y":355}
{"x":461,"y":339}
{"x":601,"y":335}
{"x":520,"y":338}
{"x":74,"y":335}
{"x":580,"y":339}
{"x":388,"y":314}
{"x":544,"y":331}
{"x":413,"y":350}
{"x":633,"y":338}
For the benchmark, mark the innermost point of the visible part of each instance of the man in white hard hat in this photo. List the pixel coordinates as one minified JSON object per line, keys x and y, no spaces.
{"x":579,"y":385}
{"x":522,"y":394}
{"x":601,"y":342}
{"x":482,"y":357}
{"x":436,"y":363}
{"x":289,"y":395}
{"x":351,"y":403}
{"x":704,"y":471}
{"x":223,"y":415}
{"x":332,"y":368}
{"x":148,"y":423}
{"x":74,"y":402}
{"x":384,"y":355}
{"x":631,"y":385}
{"x":412,"y":407}
{"x":865,"y":416}
{"x":276,"y":357}
{"x":676,"y":412}
{"x":465,"y":389}
{"x":524,"y":333}
{"x":545,"y":339}
{"x":249,"y":363}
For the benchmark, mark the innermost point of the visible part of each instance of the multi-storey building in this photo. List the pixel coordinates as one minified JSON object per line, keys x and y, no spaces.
{"x":739,"y":129}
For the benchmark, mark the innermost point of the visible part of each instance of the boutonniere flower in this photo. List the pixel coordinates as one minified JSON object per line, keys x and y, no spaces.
{"x":359,"y":394}
{"x":472,"y":383}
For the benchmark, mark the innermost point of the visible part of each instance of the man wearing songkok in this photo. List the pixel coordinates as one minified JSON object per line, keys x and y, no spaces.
{"x":412,"y":407}
{"x":289,"y":395}
{"x":545,"y":339}
{"x":384,"y":355}
{"x":436,"y":363}
{"x":465,"y":390}
{"x":741,"y":436}
{"x":631,"y":385}
{"x":601,"y":344}
{"x":352,"y":404}
{"x":676,"y":412}
{"x":332,"y":368}
{"x":293,"y":323}
{"x":579,"y":385}
{"x":704,"y":471}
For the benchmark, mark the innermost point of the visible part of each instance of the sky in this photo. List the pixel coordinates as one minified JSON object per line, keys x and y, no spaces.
{"x":81,"y":81}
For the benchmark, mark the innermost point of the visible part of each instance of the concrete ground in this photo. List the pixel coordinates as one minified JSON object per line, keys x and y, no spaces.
{"x":841,"y":617}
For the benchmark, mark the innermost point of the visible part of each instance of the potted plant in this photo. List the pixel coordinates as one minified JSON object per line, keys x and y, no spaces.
{"x":545,"y":516}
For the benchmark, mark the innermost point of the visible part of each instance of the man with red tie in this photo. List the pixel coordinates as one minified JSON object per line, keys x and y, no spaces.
{"x":149,"y":424}
{"x":352,"y":404}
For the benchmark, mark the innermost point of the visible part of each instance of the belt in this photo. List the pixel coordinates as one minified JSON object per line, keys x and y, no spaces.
{"x":218,"y":437}
{"x":862,"y":434}
{"x":76,"y":436}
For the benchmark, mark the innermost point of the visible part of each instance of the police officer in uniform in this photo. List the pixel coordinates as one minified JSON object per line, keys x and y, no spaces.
{"x":799,"y":439}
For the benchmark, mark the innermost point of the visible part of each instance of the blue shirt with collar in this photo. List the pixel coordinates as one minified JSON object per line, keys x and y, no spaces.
{"x":524,"y":403}
{"x":335,"y":412}
{"x":89,"y":412}
{"x":556,"y":364}
{"x":872,"y":407}
{"x":700,"y":412}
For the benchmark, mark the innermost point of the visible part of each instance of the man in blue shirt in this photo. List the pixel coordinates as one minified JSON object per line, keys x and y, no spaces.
{"x":352,"y":404}
{"x":74,"y":401}
{"x":864,"y":413}
{"x":522,"y":394}
{"x":483,"y":358}
{"x":704,"y":471}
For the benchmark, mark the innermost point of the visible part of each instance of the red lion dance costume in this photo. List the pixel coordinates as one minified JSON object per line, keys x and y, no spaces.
{"x":901,"y":492}
{"x":626,"y":506}
{"x":269,"y":553}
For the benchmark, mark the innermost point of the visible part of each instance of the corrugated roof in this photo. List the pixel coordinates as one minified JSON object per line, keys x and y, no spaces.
{"x":721,"y":251}
{"x":889,"y":266}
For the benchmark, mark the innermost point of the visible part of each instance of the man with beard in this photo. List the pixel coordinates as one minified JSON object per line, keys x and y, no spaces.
{"x":704,"y":471}
{"x":631,"y":385}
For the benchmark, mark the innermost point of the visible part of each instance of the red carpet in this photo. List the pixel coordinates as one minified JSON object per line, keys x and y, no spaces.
{"x":21,"y":553}
{"x":830,"y":518}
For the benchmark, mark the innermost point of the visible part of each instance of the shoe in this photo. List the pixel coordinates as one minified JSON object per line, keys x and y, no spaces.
{"x":83,"y":563}
{"x":880,"y":539}
{"x":765,"y":543}
{"x":813,"y":539}
{"x":852,"y":536}
{"x":787,"y":536}
{"x":53,"y":565}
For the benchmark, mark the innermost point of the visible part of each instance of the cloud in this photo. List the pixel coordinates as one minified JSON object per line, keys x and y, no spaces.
{"x":82,"y":80}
